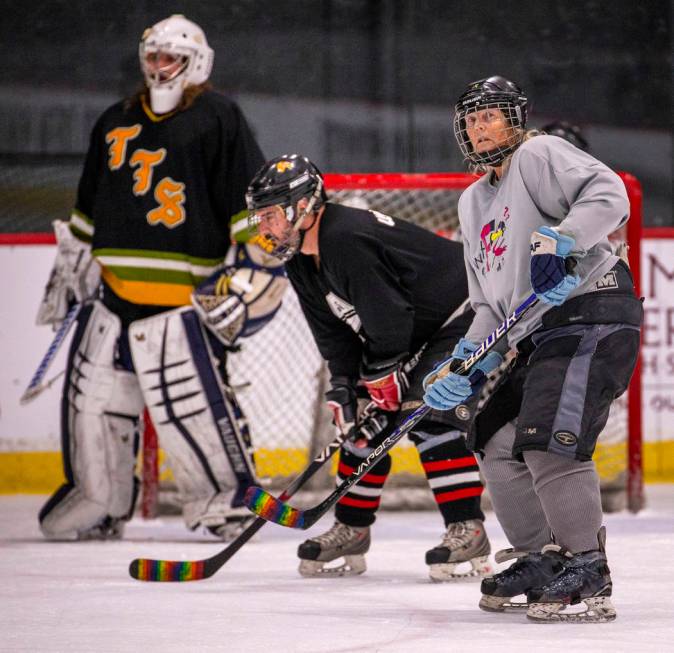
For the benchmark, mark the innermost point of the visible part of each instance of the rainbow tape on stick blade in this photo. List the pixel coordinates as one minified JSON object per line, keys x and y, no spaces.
{"x":166,"y":571}
{"x":270,"y":508}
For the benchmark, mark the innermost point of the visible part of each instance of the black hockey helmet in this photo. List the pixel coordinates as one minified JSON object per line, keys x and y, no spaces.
{"x":568,"y":132}
{"x":492,"y":92}
{"x":283,"y":182}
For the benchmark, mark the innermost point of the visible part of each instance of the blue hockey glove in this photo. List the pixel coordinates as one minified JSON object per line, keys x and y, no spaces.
{"x":454,"y":389}
{"x":549,"y":277}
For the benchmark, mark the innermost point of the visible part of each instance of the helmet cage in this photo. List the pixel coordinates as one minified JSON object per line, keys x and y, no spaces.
{"x":156,"y":75}
{"x":515,"y":118}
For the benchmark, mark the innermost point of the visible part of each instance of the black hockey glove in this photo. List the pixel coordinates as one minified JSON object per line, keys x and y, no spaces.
{"x":343,"y":402}
{"x":347,"y":415}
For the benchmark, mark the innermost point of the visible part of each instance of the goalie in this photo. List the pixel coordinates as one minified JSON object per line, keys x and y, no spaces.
{"x":385,"y":300}
{"x":165,"y":172}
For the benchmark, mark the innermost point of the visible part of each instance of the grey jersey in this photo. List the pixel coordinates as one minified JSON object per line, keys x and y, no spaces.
{"x":548,"y":182}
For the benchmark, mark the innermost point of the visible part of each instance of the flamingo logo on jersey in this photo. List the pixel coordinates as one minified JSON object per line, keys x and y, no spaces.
{"x":492,"y":244}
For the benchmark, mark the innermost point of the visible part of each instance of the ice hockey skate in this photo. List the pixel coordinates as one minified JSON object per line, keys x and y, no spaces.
{"x":500,"y":592}
{"x":580,"y":594}
{"x":341,"y":541}
{"x":463,"y":553}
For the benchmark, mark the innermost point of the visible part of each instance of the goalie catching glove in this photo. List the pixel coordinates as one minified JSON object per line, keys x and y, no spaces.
{"x":386,"y":382}
{"x":241,"y":299}
{"x":447,"y":392}
{"x":74,"y":277}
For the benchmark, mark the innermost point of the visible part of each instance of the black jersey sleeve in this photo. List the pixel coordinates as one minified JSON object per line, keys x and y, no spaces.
{"x":87,"y":187}
{"x":337,"y":343}
{"x":237,"y":160}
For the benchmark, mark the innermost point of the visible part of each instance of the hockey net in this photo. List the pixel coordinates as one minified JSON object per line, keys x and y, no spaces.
{"x":280,"y":378}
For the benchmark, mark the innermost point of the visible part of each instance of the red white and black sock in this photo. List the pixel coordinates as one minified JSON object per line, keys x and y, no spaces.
{"x":452,"y":474}
{"x":359,"y":505}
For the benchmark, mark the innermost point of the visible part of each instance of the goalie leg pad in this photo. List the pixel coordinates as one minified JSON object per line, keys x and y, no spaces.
{"x":197,"y":421}
{"x":99,"y":418}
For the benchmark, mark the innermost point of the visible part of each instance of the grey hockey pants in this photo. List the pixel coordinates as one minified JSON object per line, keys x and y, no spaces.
{"x":545,"y":495}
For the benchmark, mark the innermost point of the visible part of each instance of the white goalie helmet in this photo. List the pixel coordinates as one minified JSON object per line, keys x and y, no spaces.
{"x":188,"y":60}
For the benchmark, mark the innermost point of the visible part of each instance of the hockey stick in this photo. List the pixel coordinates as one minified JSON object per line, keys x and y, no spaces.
{"x":184,"y":570}
{"x":35,"y":387}
{"x":274,"y":509}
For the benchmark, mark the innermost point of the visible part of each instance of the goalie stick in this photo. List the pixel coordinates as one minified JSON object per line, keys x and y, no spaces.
{"x":148,"y":569}
{"x":274,"y":509}
{"x":35,"y":387}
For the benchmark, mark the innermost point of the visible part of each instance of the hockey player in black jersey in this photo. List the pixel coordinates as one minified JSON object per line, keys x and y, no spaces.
{"x":165,"y":172}
{"x":382,"y":314}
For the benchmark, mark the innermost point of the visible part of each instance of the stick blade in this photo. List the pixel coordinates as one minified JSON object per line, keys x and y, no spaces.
{"x":268,"y":507}
{"x":167,"y":571}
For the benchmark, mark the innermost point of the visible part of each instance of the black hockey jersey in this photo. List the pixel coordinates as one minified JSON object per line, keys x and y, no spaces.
{"x":383,"y":288}
{"x":158,"y":192}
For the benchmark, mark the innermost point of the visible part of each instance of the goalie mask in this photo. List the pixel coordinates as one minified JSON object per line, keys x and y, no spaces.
{"x":174,"y":54}
{"x":489,"y":120}
{"x":273,"y":197}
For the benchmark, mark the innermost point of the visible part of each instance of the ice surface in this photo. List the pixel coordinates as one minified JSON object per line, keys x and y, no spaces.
{"x":75,"y":597}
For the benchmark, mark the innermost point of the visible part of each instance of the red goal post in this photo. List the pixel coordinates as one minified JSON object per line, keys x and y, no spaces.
{"x":282,"y":355}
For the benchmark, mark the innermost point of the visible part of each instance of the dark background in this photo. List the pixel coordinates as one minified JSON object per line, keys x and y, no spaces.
{"x":356,"y":85}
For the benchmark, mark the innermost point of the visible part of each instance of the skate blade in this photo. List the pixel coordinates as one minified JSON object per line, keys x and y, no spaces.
{"x":503,"y":603}
{"x":447,"y":572}
{"x":352,"y":566}
{"x":597,"y":609}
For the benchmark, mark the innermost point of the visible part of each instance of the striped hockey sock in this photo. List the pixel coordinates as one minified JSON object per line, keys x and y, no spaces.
{"x":358,"y":506}
{"x":452,"y":474}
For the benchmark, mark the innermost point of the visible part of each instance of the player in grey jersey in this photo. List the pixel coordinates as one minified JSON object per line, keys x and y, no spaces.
{"x":539,"y":219}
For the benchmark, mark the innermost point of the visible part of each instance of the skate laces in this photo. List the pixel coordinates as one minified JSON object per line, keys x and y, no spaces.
{"x":576,"y":573}
{"x":458,"y":535}
{"x":338,"y":534}
{"x":522,"y":566}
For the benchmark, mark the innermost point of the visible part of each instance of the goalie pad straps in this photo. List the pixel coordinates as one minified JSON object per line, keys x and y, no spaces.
{"x":199,"y":426}
{"x":99,"y":417}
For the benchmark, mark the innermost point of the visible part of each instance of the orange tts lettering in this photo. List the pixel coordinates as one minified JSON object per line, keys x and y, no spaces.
{"x":118,"y":139}
{"x":145,"y":160}
{"x":170,"y":195}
